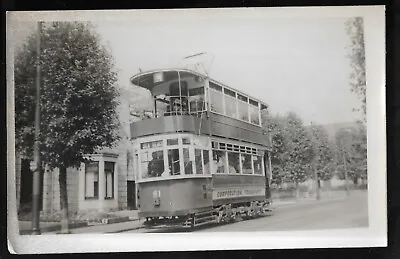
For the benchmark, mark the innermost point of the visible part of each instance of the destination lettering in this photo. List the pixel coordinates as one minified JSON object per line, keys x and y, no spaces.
{"x":233,"y":193}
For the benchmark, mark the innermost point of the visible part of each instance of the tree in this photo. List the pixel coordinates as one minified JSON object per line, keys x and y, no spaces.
{"x":355,"y":30}
{"x":352,"y":153}
{"x":274,"y":125}
{"x":324,"y":153}
{"x":78,"y":99}
{"x":300,"y":150}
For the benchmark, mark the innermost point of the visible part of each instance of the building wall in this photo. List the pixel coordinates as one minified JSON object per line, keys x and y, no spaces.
{"x":51,"y":190}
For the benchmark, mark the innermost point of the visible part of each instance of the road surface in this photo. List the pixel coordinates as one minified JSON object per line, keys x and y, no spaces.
{"x":324,"y":214}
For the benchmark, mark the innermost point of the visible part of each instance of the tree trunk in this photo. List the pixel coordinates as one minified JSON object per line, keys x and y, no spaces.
{"x":297,"y":191}
{"x":63,"y":200}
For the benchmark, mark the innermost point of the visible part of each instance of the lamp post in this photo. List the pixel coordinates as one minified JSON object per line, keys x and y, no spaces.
{"x":36,"y":165}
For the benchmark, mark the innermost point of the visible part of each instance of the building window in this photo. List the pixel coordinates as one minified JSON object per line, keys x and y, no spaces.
{"x":109,"y":176}
{"x":257,"y":161}
{"x":187,"y":163}
{"x":246,"y":164}
{"x":152,"y":163}
{"x":92,"y":180}
{"x":233,"y":160}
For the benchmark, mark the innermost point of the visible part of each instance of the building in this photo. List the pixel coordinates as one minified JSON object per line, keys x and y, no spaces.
{"x":107,"y":183}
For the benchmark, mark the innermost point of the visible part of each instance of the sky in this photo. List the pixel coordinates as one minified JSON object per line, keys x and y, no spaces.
{"x":293,"y":64}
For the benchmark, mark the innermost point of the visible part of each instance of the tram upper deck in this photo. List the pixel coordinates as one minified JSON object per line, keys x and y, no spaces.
{"x":187,"y":101}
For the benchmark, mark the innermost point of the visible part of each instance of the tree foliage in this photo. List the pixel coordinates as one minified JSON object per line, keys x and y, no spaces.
{"x":78,"y":97}
{"x":352,"y":153}
{"x":292,"y":148}
{"x":300,"y":149}
{"x":355,"y":30}
{"x":324,"y":153}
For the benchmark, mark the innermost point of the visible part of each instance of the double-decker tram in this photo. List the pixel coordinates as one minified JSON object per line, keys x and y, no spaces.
{"x":201,"y":153}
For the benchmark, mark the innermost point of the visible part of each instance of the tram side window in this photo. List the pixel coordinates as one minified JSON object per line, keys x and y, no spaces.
{"x":187,"y":163}
{"x":152,"y":164}
{"x":254,"y":114}
{"x":233,"y":160}
{"x":216,"y":101}
{"x":219,"y":161}
{"x":243,"y":109}
{"x":198,"y":162}
{"x":257,"y":160}
{"x":230,"y":107}
{"x":173,"y":161}
{"x":246,"y":164}
{"x":206,"y":162}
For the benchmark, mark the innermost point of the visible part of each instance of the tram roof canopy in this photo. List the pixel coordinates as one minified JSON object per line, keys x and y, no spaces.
{"x":146,"y":79}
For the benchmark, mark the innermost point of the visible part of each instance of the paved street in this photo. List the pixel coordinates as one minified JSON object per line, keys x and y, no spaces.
{"x":308,"y":215}
{"x":329,"y":212}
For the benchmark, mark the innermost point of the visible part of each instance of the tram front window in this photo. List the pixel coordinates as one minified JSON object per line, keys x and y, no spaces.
{"x":152,"y":164}
{"x":173,"y":161}
{"x":186,"y":161}
{"x":198,"y":161}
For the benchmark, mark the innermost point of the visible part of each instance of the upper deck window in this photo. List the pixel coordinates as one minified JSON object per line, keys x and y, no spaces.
{"x":252,"y":102}
{"x":243,"y":110}
{"x":215,"y":87}
{"x":242,"y":98}
{"x":216,"y":102}
{"x":254,"y":112}
{"x":229,"y":92}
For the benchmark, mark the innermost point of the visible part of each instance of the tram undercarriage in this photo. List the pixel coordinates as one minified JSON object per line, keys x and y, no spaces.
{"x":223,"y":214}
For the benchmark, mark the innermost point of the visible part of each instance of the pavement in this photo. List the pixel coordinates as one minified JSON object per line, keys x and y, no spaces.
{"x":128,"y":220}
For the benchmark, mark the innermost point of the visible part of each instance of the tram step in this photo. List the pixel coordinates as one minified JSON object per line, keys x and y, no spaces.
{"x":205,"y":219}
{"x":209,"y":212}
{"x":205,"y":222}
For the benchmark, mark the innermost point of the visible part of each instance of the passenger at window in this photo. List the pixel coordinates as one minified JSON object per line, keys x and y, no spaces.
{"x":156,"y":166}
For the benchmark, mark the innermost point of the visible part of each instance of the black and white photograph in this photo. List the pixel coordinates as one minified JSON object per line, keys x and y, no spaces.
{"x":196,"y":129}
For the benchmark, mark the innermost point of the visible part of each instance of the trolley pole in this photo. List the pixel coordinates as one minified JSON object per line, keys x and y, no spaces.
{"x":36,"y":165}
